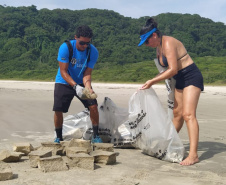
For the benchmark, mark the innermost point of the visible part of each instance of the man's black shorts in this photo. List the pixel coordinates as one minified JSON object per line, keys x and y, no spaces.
{"x":63,"y":95}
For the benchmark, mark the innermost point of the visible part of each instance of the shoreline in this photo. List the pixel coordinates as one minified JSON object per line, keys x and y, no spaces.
{"x":13,"y":84}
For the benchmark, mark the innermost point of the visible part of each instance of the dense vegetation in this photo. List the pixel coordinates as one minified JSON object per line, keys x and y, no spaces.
{"x":30,"y":38}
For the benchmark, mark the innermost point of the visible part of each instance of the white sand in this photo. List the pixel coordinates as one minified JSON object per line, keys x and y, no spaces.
{"x":26,"y":115}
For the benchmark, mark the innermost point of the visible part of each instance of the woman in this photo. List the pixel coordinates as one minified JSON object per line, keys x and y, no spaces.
{"x":189,"y":81}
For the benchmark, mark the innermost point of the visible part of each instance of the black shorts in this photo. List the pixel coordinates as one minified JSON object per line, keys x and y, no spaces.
{"x":190,"y":75}
{"x":63,"y":95}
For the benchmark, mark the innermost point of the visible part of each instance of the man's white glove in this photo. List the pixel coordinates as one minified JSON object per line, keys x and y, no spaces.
{"x":79,"y":90}
{"x":84,"y":93}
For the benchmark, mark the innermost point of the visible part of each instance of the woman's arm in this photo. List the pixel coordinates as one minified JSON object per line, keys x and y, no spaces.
{"x":170,"y":52}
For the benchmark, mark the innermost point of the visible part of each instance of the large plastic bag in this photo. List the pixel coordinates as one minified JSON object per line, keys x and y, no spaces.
{"x":111,"y":129}
{"x":151,"y":127}
{"x":146,"y":126}
{"x":76,"y":126}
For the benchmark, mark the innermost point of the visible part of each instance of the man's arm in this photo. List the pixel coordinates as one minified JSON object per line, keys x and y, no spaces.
{"x":65,"y":75}
{"x":87,"y":79}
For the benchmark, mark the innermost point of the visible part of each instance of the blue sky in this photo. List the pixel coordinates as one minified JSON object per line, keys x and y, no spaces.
{"x":212,"y":9}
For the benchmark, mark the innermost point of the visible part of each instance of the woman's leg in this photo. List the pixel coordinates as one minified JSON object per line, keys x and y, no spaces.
{"x":178,"y":110}
{"x":190,"y":101}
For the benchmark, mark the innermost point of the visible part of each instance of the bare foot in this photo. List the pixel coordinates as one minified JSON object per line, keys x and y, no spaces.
{"x":189,"y":161}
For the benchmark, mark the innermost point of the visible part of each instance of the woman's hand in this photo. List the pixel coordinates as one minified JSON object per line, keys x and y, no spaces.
{"x":147,"y":85}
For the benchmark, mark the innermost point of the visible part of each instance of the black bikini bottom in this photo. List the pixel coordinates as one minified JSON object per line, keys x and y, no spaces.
{"x":190,"y":75}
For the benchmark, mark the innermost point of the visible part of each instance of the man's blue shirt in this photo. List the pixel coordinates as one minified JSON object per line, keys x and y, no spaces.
{"x":81,"y":57}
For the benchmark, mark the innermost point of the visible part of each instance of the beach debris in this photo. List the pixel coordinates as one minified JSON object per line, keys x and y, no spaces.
{"x":81,"y":153}
{"x":35,"y":156}
{"x":56,"y":148}
{"x":51,"y":144}
{"x":86,"y":94}
{"x":50,"y":164}
{"x":104,"y":147}
{"x":79,"y":143}
{"x":8,"y":156}
{"x":104,"y":157}
{"x":5,"y":171}
{"x":78,"y":146}
{"x":25,"y":148}
{"x":64,"y":145}
{"x":77,"y":153}
{"x":81,"y":160}
{"x":76,"y":150}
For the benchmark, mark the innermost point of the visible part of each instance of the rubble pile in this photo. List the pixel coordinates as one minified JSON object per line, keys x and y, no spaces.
{"x":50,"y":156}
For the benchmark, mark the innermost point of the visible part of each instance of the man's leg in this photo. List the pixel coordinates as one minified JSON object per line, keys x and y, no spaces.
{"x":58,"y":122}
{"x":63,"y":95}
{"x":94,"y":116}
{"x":92,"y":105}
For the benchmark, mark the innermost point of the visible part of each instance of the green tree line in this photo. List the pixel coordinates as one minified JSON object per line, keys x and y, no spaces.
{"x":30,"y":38}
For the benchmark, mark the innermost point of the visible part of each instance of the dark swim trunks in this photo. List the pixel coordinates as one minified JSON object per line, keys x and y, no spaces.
{"x":190,"y":75}
{"x":63,"y":95}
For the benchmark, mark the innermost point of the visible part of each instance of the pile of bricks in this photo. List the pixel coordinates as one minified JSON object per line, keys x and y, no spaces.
{"x":62,"y":156}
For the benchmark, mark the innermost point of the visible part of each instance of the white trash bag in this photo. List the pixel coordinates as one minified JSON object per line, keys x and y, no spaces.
{"x":111,"y":129}
{"x":75,"y":126}
{"x":111,"y":119}
{"x":152,"y":129}
{"x":146,"y":126}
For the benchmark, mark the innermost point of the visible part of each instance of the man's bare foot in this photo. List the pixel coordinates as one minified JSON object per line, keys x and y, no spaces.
{"x":189,"y":161}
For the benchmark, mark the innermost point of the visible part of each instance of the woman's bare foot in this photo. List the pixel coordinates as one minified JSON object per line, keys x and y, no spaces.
{"x":189,"y":161}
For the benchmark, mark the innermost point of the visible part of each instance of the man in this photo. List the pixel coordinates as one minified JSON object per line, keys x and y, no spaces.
{"x":72,"y":77}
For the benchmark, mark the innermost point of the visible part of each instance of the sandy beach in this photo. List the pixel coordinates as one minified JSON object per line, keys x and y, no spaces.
{"x":26,"y":116}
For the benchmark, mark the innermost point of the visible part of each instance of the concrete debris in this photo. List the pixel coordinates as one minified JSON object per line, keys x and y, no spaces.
{"x":5,"y":171}
{"x":50,"y":156}
{"x":50,"y":164}
{"x":35,"y":156}
{"x":8,"y":156}
{"x":25,"y":148}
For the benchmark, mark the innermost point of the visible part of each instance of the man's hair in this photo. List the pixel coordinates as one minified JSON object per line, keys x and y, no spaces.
{"x":84,"y":31}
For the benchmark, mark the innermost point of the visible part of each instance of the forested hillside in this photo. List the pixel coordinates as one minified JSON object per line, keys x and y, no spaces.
{"x":30,"y":38}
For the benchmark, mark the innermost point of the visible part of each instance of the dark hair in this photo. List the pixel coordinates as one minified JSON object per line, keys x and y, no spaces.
{"x":84,"y":31}
{"x":150,"y":24}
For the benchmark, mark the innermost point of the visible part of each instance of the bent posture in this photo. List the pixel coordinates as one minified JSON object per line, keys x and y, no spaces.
{"x":189,"y":81}
{"x":73,"y":77}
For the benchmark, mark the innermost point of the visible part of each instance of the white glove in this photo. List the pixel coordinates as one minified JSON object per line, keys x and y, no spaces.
{"x":79,"y":90}
{"x":84,"y":93}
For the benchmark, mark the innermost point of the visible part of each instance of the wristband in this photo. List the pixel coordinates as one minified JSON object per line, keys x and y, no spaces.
{"x":74,"y":87}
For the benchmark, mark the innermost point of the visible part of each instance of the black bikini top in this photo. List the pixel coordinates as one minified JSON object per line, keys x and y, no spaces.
{"x":165,"y":62}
